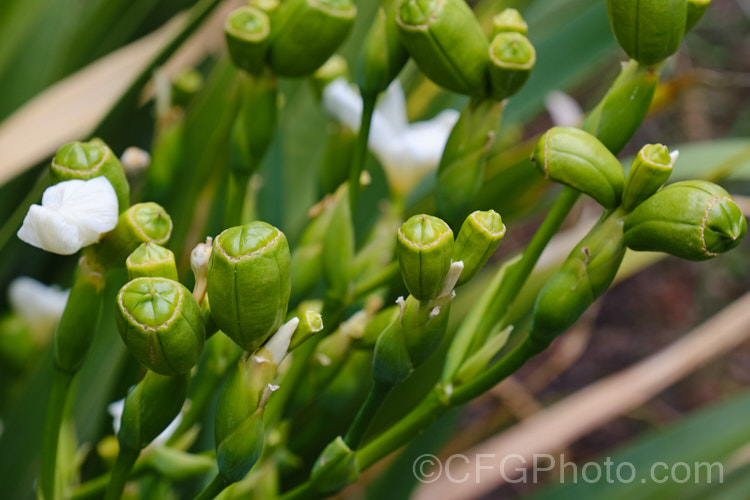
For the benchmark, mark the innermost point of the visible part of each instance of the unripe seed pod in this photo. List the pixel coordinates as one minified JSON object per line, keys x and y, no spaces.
{"x":150,"y":260}
{"x":425,"y":249}
{"x":141,"y":223}
{"x":86,"y":160}
{"x":382,"y":56}
{"x":578,"y":159}
{"x":479,"y":237}
{"x":509,"y":20}
{"x":185,"y":86}
{"x":512,"y":58}
{"x":309,"y":33}
{"x":649,"y":31}
{"x":446,"y":41}
{"x":249,"y":282}
{"x":693,"y":220}
{"x":695,"y":10}
{"x":161,"y":323}
{"x":248,"y":32}
{"x":650,"y":170}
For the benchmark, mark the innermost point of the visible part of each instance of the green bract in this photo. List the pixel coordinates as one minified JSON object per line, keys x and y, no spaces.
{"x":161,"y":323}
{"x":86,"y":160}
{"x":151,"y":260}
{"x":649,"y":31}
{"x":141,"y":223}
{"x":249,"y":282}
{"x":694,"y":220}
{"x":382,"y":55}
{"x":511,"y":59}
{"x":445,"y":40}
{"x":509,"y":20}
{"x":578,"y":159}
{"x":695,"y":10}
{"x":309,"y":32}
{"x":477,"y":240}
{"x":425,"y":249}
{"x":649,"y":171}
{"x":247,"y":31}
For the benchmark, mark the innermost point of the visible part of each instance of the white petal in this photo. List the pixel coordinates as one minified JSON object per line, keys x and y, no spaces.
{"x":115,"y":410}
{"x":674,"y":155}
{"x":392,"y":106}
{"x":49,"y":230}
{"x":278,"y":344}
{"x":41,"y":306}
{"x":563,"y":109}
{"x":342,"y":102}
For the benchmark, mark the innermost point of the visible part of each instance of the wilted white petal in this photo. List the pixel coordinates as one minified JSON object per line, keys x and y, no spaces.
{"x":41,"y":306}
{"x":563,"y":109}
{"x":342,"y":101}
{"x":115,"y":410}
{"x":73,"y":214}
{"x":278,"y":344}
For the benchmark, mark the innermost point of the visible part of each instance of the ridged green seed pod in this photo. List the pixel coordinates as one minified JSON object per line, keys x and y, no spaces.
{"x":446,"y":41}
{"x":693,"y":220}
{"x":248,"y":33}
{"x":695,"y":10}
{"x":309,"y":33}
{"x":424,"y":249}
{"x":150,"y":407}
{"x":649,"y":31}
{"x":86,"y":160}
{"x":578,"y":159}
{"x":649,"y":171}
{"x":584,"y":276}
{"x":151,"y":260}
{"x":161,"y":323}
{"x":249,"y":282}
{"x":479,"y":237}
{"x":509,"y":20}
{"x":141,"y":223}
{"x":382,"y":56}
{"x":512,"y":57}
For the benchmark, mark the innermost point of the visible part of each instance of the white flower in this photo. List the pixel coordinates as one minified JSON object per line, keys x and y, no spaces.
{"x":406,"y":151}
{"x":73,"y":214}
{"x":41,"y":306}
{"x":563,"y":109}
{"x":115,"y":410}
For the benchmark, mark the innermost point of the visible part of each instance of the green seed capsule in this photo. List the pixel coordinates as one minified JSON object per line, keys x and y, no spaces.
{"x":249,"y":282}
{"x":161,"y":323}
{"x":185,"y":87}
{"x":578,"y":159}
{"x":382,"y":56}
{"x":509,"y":20}
{"x":650,"y":170}
{"x":141,"y":223}
{"x":86,"y":160}
{"x":693,"y":220}
{"x":425,"y":249}
{"x":512,"y":58}
{"x":446,"y":41}
{"x":150,"y":407}
{"x":479,"y":237}
{"x":309,"y":33}
{"x":248,"y":31}
{"x":695,"y":10}
{"x":150,"y":260}
{"x":649,"y":31}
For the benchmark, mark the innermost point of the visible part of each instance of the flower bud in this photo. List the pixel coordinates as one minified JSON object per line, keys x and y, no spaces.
{"x":578,"y":159}
{"x":479,"y":237}
{"x":649,"y":171}
{"x":447,"y":43}
{"x":310,"y":32}
{"x":509,"y":20}
{"x":382,"y":56}
{"x":247,"y":31}
{"x":695,"y":10}
{"x":425,"y":249}
{"x":150,"y":260}
{"x":249,"y":282}
{"x":141,"y":223}
{"x":310,"y":323}
{"x":150,"y":407}
{"x":693,"y":220}
{"x":649,"y":31}
{"x":185,"y":86}
{"x":86,"y":160}
{"x":334,"y":68}
{"x":335,"y":468}
{"x":512,"y":58}
{"x":161,"y":323}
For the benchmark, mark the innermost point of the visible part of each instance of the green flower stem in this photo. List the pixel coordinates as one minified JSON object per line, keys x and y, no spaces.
{"x":236,"y":194}
{"x":360,"y":148}
{"x":213,"y":488}
{"x":384,"y":277}
{"x":119,"y":477}
{"x":60,"y":387}
{"x":366,"y":414}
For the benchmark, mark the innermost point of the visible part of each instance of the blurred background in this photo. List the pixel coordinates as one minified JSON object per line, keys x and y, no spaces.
{"x":659,"y":369}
